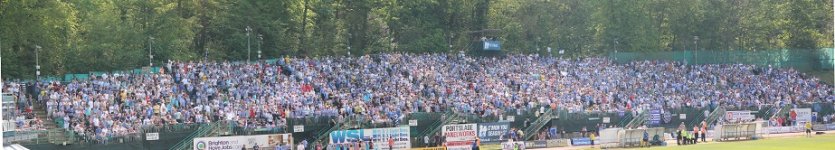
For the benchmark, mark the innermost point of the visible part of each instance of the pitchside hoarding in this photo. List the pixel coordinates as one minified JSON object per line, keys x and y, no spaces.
{"x":380,"y":136}
{"x":238,"y":142}
{"x":492,"y":132}
{"x":459,"y":136}
{"x":733,"y":116}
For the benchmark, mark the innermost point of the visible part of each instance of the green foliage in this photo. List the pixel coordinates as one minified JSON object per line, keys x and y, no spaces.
{"x":100,"y":35}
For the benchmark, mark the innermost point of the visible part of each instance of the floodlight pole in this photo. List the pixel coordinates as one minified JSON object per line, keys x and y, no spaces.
{"x":260,"y":39}
{"x":616,"y":45}
{"x":616,"y":48}
{"x":695,"y":48}
{"x":247,"y":43}
{"x":150,"y":54}
{"x":37,"y":63}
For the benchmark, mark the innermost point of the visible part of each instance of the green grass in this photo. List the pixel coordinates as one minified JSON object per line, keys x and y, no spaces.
{"x":822,"y":142}
{"x":818,"y":142}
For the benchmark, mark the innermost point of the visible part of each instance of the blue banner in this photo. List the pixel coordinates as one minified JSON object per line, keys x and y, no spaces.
{"x":492,"y":132}
{"x":536,"y":144}
{"x":580,"y":141}
{"x":654,"y":117}
{"x":492,"y":46}
{"x":380,"y":136}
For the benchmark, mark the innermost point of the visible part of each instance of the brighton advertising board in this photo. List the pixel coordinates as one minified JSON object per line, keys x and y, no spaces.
{"x":238,"y":142}
{"x":492,"y":132}
{"x":380,"y":136}
{"x":459,"y":136}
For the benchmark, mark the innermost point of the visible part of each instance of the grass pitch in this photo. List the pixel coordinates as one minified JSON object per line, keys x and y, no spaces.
{"x":816,"y":142}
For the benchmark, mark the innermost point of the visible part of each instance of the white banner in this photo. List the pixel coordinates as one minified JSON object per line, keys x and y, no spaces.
{"x":734,"y":116}
{"x":787,"y":129}
{"x":237,"y":142}
{"x":459,"y":136}
{"x":803,"y":115}
{"x":413,"y":123}
{"x":513,"y":145}
{"x":152,"y":136}
{"x":298,"y":128}
{"x":380,"y":137}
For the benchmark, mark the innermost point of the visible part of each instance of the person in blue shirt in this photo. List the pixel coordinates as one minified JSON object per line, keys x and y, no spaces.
{"x":553,"y":132}
{"x":475,"y":146}
{"x":645,"y":140}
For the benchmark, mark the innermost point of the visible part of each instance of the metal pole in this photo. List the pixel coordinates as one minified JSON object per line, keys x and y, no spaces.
{"x":150,"y":54}
{"x":616,"y":49}
{"x":247,"y":43}
{"x":1,"y":61}
{"x":37,"y":63}
{"x":260,"y":39}
{"x":696,"y":49}
{"x":616,"y":45}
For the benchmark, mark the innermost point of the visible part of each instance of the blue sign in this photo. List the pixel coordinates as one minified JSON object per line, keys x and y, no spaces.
{"x":492,"y":46}
{"x":400,"y":136}
{"x":492,"y":132}
{"x":580,"y":141}
{"x":346,"y":136}
{"x":654,"y":117}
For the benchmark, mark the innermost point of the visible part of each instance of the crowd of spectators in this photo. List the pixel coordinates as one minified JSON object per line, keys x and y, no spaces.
{"x":384,"y":88}
{"x":21,"y":115}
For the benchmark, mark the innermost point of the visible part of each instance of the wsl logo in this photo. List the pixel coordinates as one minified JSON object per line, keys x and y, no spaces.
{"x":344,"y":136}
{"x":200,"y":145}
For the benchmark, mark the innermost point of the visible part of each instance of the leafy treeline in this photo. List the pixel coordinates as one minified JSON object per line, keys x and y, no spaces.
{"x":78,"y":36}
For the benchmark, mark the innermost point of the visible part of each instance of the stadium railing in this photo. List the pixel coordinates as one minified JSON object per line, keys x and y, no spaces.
{"x":784,"y":110}
{"x":531,"y":131}
{"x":202,"y":131}
{"x":323,"y":135}
{"x":628,"y":116}
{"x":637,"y":121}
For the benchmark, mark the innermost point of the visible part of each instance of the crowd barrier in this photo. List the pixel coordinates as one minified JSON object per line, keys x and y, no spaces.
{"x":786,"y":129}
{"x":580,"y":141}
{"x":823,"y":127}
{"x":429,"y":148}
{"x":536,"y":144}
{"x":513,"y":146}
{"x":736,"y":131}
{"x":558,"y":143}
{"x":523,"y":145}
{"x":9,"y":125}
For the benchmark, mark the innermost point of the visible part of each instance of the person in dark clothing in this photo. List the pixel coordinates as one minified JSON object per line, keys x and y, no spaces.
{"x":696,"y":135}
{"x":678,"y":137}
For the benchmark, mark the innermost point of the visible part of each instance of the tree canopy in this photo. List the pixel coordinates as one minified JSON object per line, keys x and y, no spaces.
{"x":96,"y":35}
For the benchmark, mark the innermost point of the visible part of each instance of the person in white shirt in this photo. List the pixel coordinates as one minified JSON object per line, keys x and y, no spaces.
{"x":300,"y":146}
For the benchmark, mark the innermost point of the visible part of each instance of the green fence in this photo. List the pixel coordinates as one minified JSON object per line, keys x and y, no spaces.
{"x":816,"y":62}
{"x":801,"y":59}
